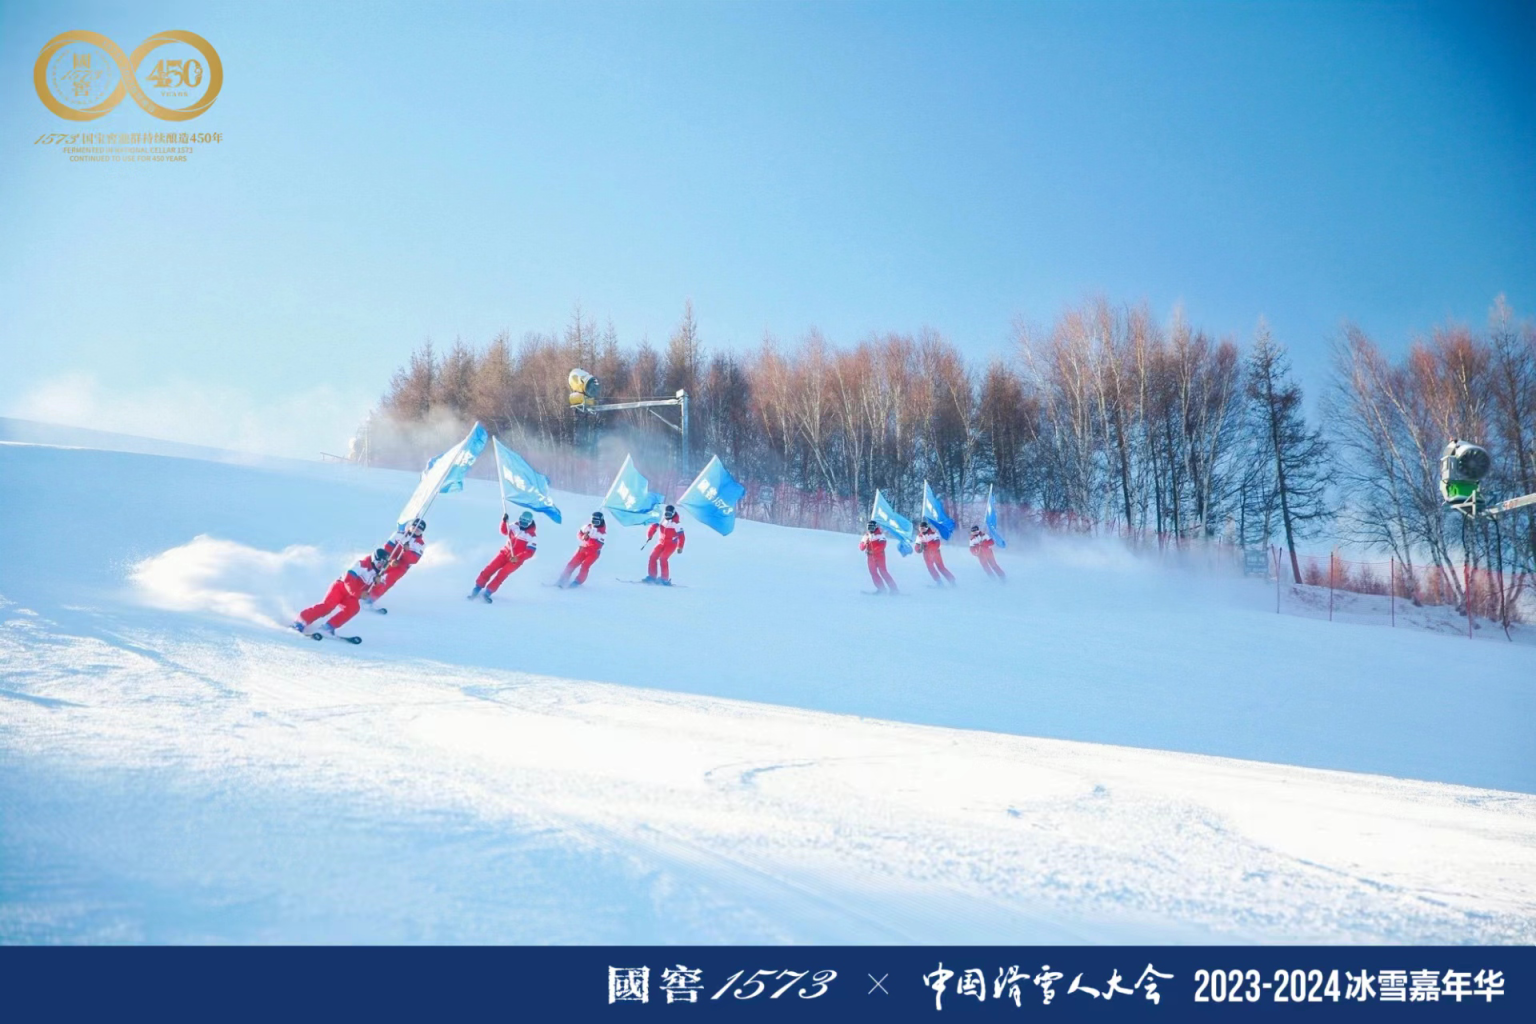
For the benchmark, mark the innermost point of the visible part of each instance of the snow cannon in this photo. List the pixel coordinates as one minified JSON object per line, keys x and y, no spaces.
{"x":1462,"y":468}
{"x":585,"y":389}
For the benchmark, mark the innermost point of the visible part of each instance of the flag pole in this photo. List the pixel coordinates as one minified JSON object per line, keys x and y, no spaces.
{"x":501,"y":477}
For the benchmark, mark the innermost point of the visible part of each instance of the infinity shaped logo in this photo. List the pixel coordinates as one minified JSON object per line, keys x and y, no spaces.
{"x":188,"y":73}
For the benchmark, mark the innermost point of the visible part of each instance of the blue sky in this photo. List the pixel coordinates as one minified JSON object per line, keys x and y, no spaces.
{"x":396,"y":173}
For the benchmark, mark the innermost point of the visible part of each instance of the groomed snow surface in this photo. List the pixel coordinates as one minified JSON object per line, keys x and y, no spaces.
{"x":1100,"y":751}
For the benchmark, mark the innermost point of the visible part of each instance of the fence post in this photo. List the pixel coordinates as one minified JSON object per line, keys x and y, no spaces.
{"x":1466,"y":594}
{"x":1392,"y":588}
{"x":1498,"y":579}
{"x":1332,"y":556}
{"x":1275,"y":554}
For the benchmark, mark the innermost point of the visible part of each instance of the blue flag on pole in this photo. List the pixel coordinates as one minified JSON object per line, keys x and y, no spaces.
{"x":712,"y":497}
{"x":897,"y":526}
{"x":933,"y":511}
{"x":462,"y":457}
{"x":631,"y":499}
{"x":992,"y":530}
{"x":444,"y":474}
{"x":521,"y":484}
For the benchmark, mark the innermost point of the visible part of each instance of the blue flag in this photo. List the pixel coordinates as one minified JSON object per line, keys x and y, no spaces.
{"x":521,"y":484}
{"x":933,"y":511}
{"x":992,"y":521}
{"x":631,"y":499}
{"x":712,"y":497}
{"x":897,"y":526}
{"x":444,"y":474}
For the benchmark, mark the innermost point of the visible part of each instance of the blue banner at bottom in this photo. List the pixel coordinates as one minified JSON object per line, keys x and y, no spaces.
{"x":834,"y":983}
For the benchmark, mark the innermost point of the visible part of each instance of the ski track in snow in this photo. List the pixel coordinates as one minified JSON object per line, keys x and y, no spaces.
{"x":745,"y":823}
{"x":173,"y":771}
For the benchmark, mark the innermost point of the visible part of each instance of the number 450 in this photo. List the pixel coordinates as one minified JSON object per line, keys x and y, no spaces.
{"x":172,"y":74}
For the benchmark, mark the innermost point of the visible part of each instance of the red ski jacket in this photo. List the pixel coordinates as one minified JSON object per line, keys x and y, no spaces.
{"x":405,"y":548}
{"x":359,"y":578}
{"x":928,"y":535}
{"x":872,"y":543}
{"x":521,"y":543}
{"x":671,"y":533}
{"x":981,"y":542}
{"x":591,"y":537}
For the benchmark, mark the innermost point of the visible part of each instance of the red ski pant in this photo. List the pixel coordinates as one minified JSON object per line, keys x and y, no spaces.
{"x":934,"y":559}
{"x":496,"y":573}
{"x":387,"y":579}
{"x":659,"y":556}
{"x":989,"y":563}
{"x":337,"y":597}
{"x":580,"y":562}
{"x":879,"y":573}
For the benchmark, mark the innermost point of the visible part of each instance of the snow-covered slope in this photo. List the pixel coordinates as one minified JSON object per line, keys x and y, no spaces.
{"x":22,"y":431}
{"x":1097,"y":751}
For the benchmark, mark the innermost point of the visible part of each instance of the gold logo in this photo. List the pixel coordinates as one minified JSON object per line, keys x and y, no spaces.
{"x":83,"y":75}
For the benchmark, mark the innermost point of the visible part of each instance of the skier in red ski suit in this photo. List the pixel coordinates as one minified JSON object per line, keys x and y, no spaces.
{"x":405,"y":549}
{"x":671,"y":540}
{"x":344,"y":594}
{"x":520,"y":546}
{"x":591,"y":539}
{"x":928,"y":541}
{"x":981,"y":547}
{"x":873,"y":546}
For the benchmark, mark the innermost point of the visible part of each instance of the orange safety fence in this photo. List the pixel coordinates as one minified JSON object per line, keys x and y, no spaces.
{"x":1501,"y":596}
{"x":1489,"y":593}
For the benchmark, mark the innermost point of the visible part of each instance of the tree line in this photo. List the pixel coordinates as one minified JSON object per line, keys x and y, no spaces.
{"x":1108,"y":417}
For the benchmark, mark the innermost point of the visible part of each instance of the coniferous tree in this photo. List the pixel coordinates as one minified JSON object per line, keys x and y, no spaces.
{"x":1294,"y":458}
{"x":685,"y":354}
{"x":413,"y":388}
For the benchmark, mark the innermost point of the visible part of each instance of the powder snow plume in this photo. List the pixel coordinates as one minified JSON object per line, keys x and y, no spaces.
{"x":225,"y":577}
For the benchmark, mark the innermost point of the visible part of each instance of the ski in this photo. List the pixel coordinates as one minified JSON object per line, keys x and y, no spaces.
{"x":321,"y":635}
{"x":377,"y":611}
{"x":664,"y":586}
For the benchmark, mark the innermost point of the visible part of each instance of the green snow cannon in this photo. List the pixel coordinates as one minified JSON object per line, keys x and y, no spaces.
{"x":1462,"y":468}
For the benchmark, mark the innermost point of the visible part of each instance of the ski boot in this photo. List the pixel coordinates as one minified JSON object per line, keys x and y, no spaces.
{"x":327,"y":629}
{"x":662,"y":581}
{"x":298,"y":624}
{"x":485,"y":595}
{"x":650,"y":579}
{"x":473,"y":594}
